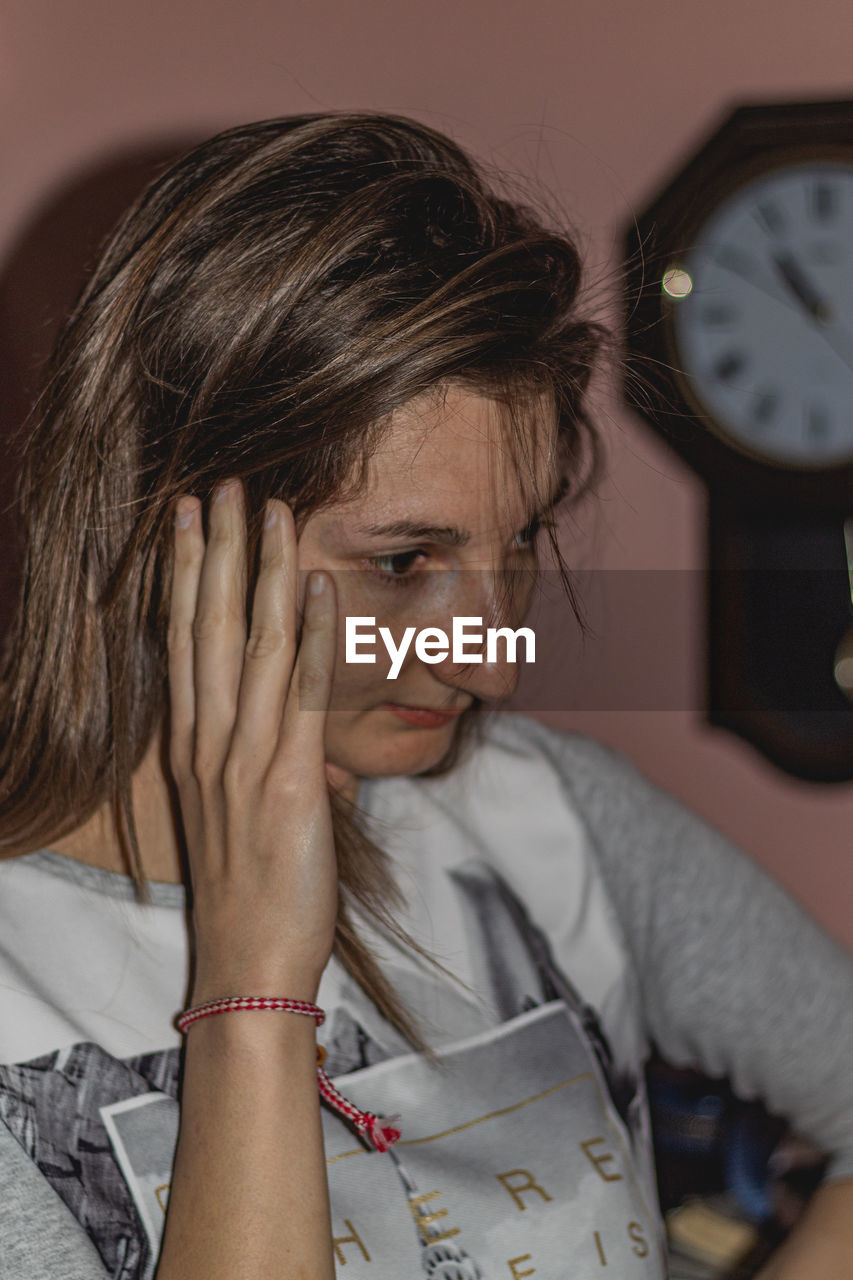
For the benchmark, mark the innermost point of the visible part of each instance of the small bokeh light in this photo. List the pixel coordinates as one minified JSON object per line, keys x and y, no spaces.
{"x":844,"y":674}
{"x":677,"y":282}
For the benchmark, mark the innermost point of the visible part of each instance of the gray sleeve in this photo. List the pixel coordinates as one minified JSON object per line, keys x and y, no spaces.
{"x":39,"y":1236}
{"x":736,"y":978}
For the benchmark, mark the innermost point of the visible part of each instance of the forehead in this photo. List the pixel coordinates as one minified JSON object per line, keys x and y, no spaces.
{"x":463,"y":446}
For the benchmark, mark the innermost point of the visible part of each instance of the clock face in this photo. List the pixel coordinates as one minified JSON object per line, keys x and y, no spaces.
{"x":761,"y":315}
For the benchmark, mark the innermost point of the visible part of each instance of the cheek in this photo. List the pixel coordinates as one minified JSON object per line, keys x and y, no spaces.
{"x":356,"y":685}
{"x":523,"y":599}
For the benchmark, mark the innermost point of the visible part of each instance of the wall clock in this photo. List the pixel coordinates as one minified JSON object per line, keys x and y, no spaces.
{"x":739,"y":335}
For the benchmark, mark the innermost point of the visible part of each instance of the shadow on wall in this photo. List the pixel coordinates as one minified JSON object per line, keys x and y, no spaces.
{"x":40,"y":278}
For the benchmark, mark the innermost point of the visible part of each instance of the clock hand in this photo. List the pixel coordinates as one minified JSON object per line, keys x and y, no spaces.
{"x":802,"y":288}
{"x":833,"y":330}
{"x":797,"y":283}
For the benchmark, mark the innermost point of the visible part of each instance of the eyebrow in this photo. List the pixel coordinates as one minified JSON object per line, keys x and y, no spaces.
{"x":450,"y":535}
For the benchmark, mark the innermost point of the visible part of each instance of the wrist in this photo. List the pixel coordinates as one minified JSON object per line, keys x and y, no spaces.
{"x":255,"y":1038}
{"x":249,"y":1004}
{"x":220,"y":982}
{"x":248,"y":1012}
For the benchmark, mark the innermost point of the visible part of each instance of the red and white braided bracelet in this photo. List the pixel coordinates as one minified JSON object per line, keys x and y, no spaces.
{"x":382,"y":1134}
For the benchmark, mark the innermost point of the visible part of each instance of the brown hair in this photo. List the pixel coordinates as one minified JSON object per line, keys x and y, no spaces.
{"x":264,"y":305}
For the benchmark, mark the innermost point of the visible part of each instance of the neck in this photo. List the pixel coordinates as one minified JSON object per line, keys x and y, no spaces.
{"x":96,"y":842}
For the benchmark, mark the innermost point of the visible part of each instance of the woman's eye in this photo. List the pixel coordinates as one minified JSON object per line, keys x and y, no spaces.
{"x":395,"y":567}
{"x":528,"y":535}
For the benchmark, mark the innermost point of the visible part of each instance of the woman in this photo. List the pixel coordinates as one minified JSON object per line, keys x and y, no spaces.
{"x":318,"y":359}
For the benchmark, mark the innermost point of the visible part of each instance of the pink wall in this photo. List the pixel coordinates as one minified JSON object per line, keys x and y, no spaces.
{"x":596,"y":98}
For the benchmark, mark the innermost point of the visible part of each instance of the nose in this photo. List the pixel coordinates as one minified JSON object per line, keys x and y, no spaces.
{"x":488,"y":613}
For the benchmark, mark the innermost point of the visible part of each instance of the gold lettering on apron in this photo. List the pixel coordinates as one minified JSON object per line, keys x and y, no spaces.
{"x":425,"y":1220}
{"x":352,"y":1238}
{"x":512,"y":1263}
{"x":640,"y":1245}
{"x":528,"y":1183}
{"x":598,"y":1161}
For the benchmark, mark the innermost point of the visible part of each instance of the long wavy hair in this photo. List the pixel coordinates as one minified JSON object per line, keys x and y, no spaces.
{"x":266,"y":303}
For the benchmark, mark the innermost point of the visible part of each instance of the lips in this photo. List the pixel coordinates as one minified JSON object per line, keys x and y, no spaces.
{"x":423,"y":717}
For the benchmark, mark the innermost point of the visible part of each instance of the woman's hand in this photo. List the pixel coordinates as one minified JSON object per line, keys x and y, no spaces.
{"x":249,"y":1194}
{"x":248,"y":760}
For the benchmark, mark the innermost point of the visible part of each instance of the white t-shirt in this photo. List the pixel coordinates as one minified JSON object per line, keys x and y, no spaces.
{"x":568,"y":901}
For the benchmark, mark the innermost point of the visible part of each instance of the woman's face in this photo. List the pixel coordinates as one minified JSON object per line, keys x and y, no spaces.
{"x":443,"y":493}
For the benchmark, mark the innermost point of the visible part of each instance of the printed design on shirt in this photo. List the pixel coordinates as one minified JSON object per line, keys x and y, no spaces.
{"x":53,"y":1105}
{"x":141,"y":1131}
{"x":514,"y":964}
{"x":522,"y":1150}
{"x":512,"y":1160}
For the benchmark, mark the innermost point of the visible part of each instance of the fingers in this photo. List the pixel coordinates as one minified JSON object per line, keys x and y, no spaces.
{"x":270,"y":649}
{"x":303,"y":727}
{"x":219,"y":629}
{"x":236,"y":701}
{"x":189,"y":554}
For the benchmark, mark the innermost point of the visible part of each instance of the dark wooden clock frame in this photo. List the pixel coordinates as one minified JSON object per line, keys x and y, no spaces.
{"x":778,"y":594}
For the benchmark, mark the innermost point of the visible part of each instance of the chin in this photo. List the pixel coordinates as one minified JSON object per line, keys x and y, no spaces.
{"x":374,"y":752}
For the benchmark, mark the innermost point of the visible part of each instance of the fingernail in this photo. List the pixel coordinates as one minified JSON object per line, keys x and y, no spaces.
{"x":184,"y":513}
{"x":271,"y":516}
{"x":317,"y":584}
{"x":223,"y":489}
